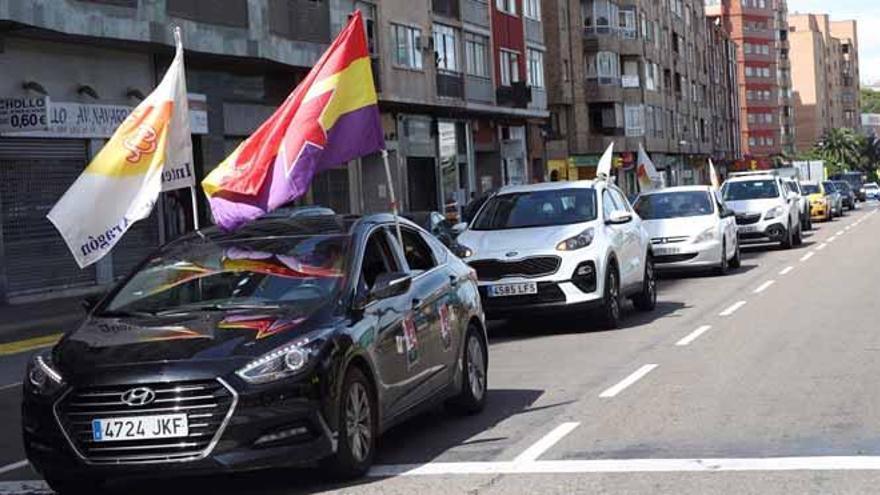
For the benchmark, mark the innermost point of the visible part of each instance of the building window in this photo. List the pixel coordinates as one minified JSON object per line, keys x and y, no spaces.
{"x":532,"y":9}
{"x":406,"y":46}
{"x":509,"y":67}
{"x":506,"y":6}
{"x":476,"y":53}
{"x":634,"y":117}
{"x":445,"y":48}
{"x":605,"y":66}
{"x":536,"y":68}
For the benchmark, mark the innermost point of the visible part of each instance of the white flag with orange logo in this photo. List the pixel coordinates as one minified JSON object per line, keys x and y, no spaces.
{"x":123,"y":181}
{"x":646,"y":172}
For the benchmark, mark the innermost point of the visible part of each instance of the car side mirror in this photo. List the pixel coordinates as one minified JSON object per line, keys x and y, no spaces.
{"x":619,"y":217}
{"x":89,"y":302}
{"x":725,"y":213}
{"x":390,"y":285}
{"x":459,"y":228}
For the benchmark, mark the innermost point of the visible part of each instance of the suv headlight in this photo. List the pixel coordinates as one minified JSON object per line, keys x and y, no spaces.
{"x":706,"y":235}
{"x":774,"y":212}
{"x":283,"y":362}
{"x":579,"y":241}
{"x":42,"y":375}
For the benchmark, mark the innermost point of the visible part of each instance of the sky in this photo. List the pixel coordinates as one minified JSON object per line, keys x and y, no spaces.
{"x":867,"y":15}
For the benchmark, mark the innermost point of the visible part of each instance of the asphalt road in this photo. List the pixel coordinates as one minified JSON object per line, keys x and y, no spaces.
{"x":763,"y":381}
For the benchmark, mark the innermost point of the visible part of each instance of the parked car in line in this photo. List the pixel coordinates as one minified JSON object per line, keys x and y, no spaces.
{"x":846,"y":191}
{"x":765,"y":209}
{"x":437,"y":224}
{"x":872,"y":191}
{"x":690,"y":228}
{"x":290,"y":341}
{"x":804,"y":204}
{"x":832,"y":190}
{"x":821,"y":203}
{"x":855,"y":180}
{"x":560,"y":246}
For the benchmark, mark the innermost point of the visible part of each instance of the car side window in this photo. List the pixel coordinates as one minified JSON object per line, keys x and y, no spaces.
{"x":378,"y":259}
{"x":418,"y":254}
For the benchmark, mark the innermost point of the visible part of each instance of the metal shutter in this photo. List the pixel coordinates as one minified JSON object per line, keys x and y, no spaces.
{"x":34,"y":174}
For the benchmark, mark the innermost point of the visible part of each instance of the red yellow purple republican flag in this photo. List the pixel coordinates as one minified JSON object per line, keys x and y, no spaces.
{"x":330,"y":118}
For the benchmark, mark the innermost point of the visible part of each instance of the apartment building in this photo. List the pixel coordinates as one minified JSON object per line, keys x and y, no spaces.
{"x":825,"y":76}
{"x":461,"y":90}
{"x":637,"y":72}
{"x":759,"y":30}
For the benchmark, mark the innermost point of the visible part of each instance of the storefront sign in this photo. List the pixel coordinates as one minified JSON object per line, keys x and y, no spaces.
{"x":24,"y":114}
{"x":87,"y":120}
{"x":584,"y":160}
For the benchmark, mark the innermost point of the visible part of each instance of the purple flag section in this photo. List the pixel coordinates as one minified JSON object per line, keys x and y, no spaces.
{"x":355,"y":134}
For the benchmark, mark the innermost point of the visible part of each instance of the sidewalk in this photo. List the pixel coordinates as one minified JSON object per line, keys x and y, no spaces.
{"x":39,"y":318}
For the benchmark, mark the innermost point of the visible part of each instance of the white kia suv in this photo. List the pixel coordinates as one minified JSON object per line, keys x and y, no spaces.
{"x":560,"y":246}
{"x":766,"y":210}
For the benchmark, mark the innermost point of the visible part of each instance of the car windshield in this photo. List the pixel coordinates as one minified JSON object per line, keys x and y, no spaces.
{"x":300,"y":272}
{"x":810,"y":188}
{"x":752,"y":189}
{"x":871,"y":186}
{"x":830,"y":187}
{"x":674,"y":205}
{"x":537,"y":209}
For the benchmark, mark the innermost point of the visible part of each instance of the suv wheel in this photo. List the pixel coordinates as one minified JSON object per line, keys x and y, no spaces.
{"x":474,"y":384}
{"x":646,"y":300}
{"x":357,"y":428}
{"x":736,"y":261}
{"x":788,"y":241}
{"x":722,"y":267}
{"x":798,"y":236}
{"x":611,"y":301}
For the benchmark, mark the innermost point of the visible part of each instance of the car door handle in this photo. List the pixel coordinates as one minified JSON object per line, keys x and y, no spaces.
{"x":416,"y":302}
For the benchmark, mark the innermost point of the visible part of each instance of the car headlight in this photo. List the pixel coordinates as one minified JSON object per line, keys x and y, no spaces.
{"x":774,"y":212}
{"x":579,"y":241}
{"x":42,"y":375}
{"x":706,"y":235}
{"x":283,"y":362}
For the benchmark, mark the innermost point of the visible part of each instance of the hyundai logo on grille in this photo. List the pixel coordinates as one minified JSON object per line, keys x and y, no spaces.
{"x":140,"y":396}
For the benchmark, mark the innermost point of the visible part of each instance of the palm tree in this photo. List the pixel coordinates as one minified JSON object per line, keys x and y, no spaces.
{"x":840,"y":149}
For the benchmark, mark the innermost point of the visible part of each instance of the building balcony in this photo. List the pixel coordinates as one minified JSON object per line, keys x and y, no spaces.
{"x":603,"y":89}
{"x":475,"y":12}
{"x":534,"y":31}
{"x":539,"y":99}
{"x":517,"y":95}
{"x":479,"y":89}
{"x":446,"y":8}
{"x":450,"y":85}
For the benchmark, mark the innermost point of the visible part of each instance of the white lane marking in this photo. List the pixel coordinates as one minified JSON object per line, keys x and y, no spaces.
{"x":532,"y":453}
{"x":839,"y":232}
{"x":13,"y":466}
{"x":10,"y":386}
{"x":820,"y":463}
{"x":30,"y":487}
{"x":848,"y":227}
{"x":821,"y":246}
{"x":626,"y":382}
{"x":787,"y":269}
{"x":761,"y":288}
{"x":693,"y":335}
{"x":831,"y":239}
{"x":732,"y":308}
{"x":807,"y":256}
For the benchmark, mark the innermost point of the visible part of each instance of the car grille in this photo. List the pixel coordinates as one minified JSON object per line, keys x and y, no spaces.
{"x":208,"y":405}
{"x":674,"y":258}
{"x":748,"y":219}
{"x":669,"y":240}
{"x":537,"y":266}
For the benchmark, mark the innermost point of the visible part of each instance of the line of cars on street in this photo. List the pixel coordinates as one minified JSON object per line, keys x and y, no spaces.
{"x":301,"y":337}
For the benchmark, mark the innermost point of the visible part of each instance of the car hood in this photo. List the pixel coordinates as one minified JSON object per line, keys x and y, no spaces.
{"x":679,"y":227}
{"x":195,"y":338}
{"x":501,"y":243}
{"x":753,"y":205}
{"x":816,"y":197}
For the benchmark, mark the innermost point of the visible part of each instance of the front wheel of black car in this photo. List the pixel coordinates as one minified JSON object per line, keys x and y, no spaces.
{"x":357,"y":428}
{"x":474,"y":384}
{"x":65,"y":486}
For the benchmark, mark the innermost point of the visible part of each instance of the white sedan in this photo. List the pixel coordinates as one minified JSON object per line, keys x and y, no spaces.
{"x":689,"y":227}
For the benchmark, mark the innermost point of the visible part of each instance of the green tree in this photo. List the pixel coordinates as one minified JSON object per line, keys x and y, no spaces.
{"x":870,"y":101}
{"x":840,"y":149}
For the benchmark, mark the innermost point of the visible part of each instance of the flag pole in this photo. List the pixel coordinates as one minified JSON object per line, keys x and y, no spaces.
{"x":195,"y":207}
{"x":393,"y":198}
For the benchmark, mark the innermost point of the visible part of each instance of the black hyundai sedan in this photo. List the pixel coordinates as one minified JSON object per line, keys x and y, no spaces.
{"x":292,"y":341}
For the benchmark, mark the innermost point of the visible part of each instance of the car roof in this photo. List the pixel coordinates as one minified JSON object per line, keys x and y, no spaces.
{"x":301,"y":226}
{"x":749,"y":178}
{"x":550,"y":186}
{"x":704,"y":188}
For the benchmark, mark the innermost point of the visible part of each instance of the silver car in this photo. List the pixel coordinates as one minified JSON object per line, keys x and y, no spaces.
{"x":690,"y":228}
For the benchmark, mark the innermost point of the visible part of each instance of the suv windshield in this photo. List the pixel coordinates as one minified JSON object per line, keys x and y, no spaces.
{"x":752,"y":189}
{"x":537,"y":209}
{"x":300,"y":272}
{"x":830,"y":187}
{"x":810,"y":189}
{"x":674,"y":205}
